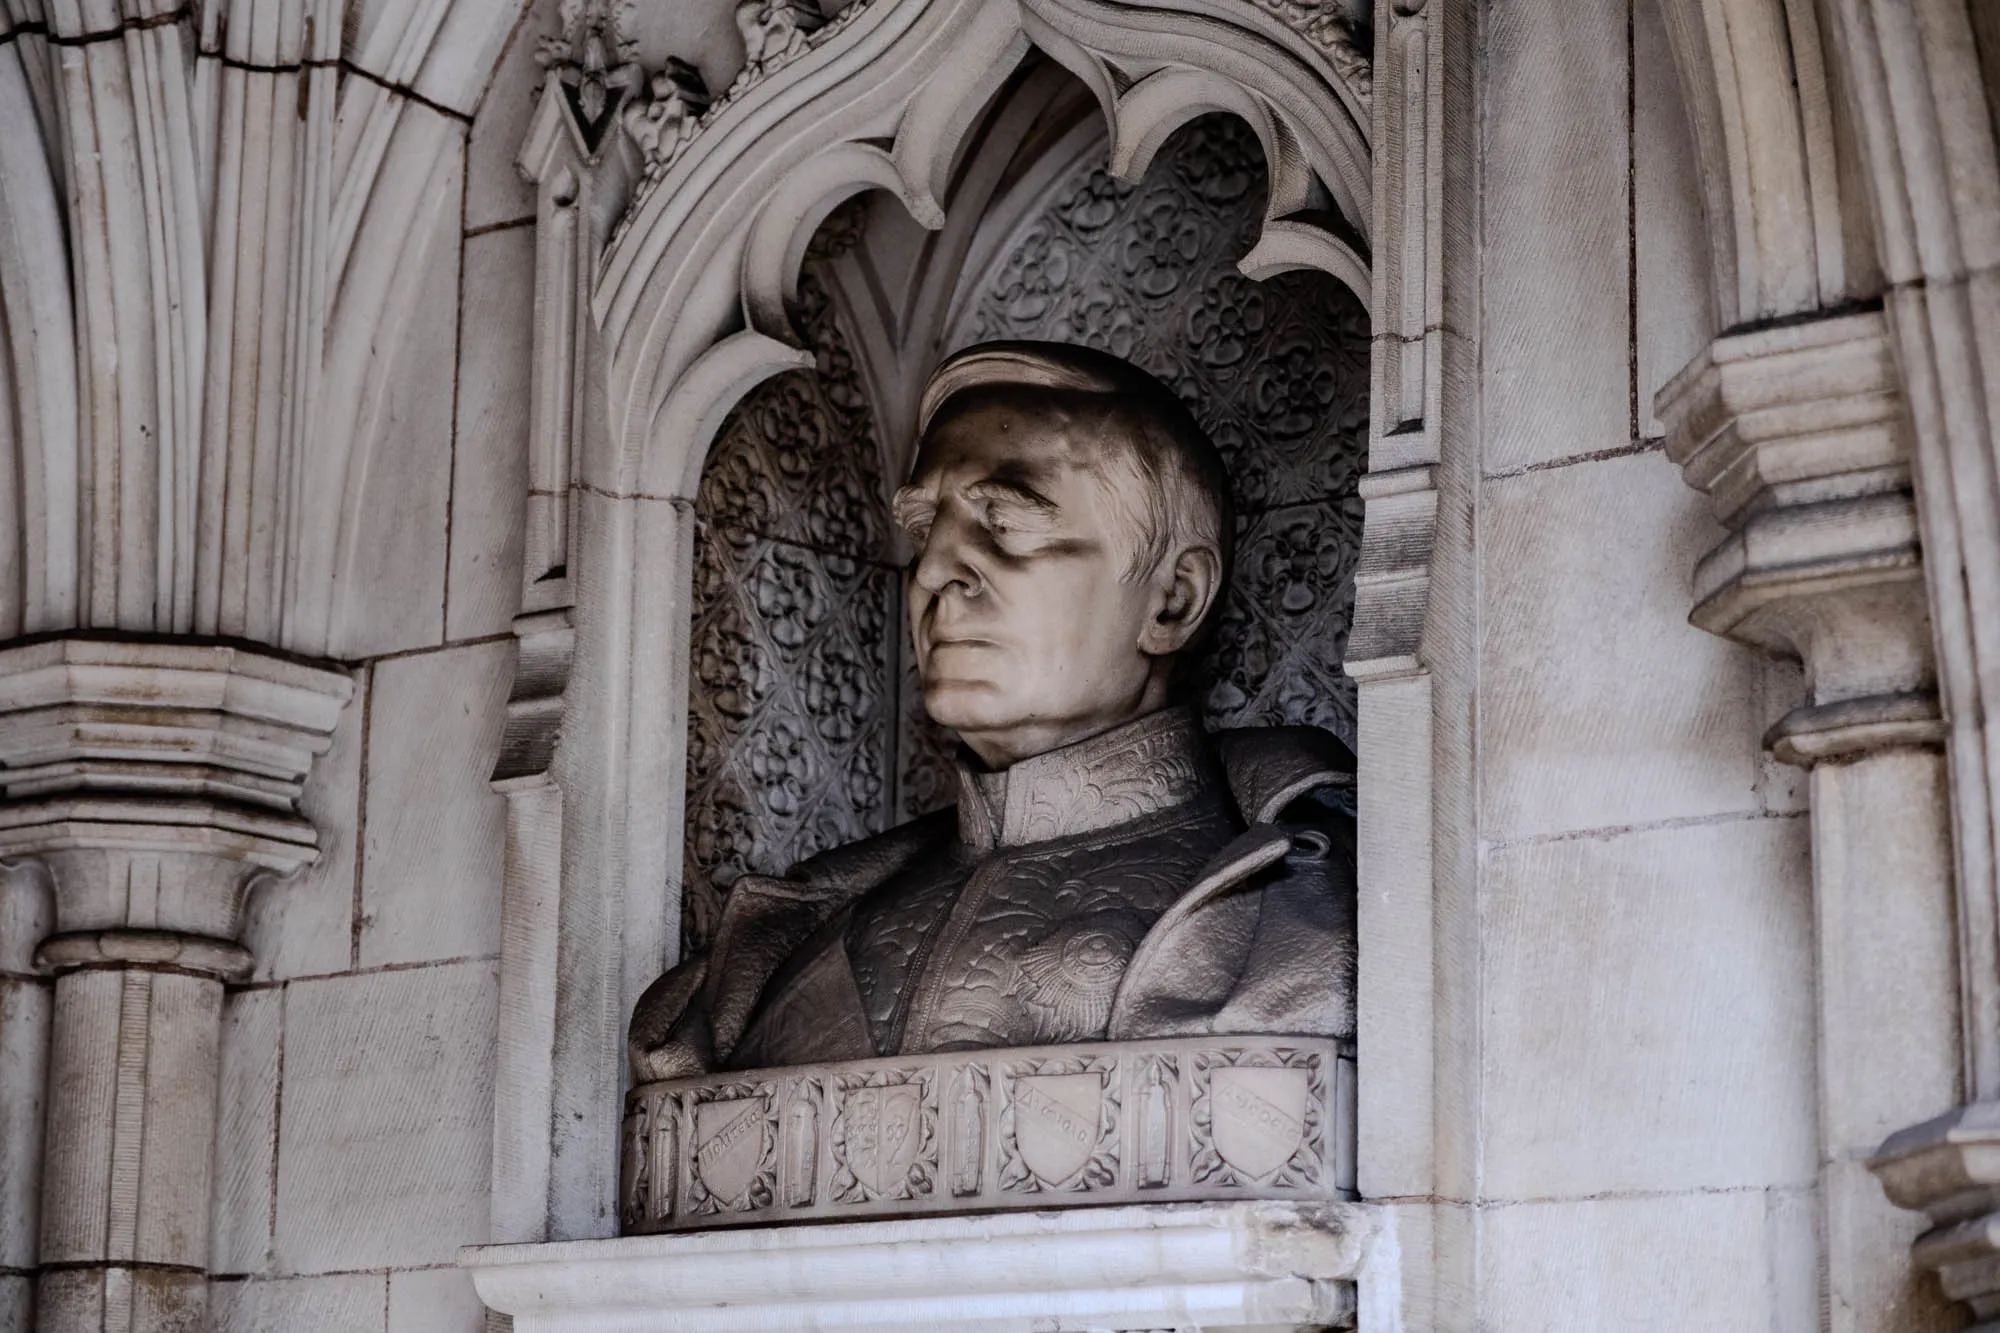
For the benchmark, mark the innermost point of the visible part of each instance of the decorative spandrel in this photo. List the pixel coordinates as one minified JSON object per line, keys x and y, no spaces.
{"x":792,"y":721}
{"x":1276,"y":372}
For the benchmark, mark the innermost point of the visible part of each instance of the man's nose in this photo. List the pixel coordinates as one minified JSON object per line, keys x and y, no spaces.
{"x":945,"y":558}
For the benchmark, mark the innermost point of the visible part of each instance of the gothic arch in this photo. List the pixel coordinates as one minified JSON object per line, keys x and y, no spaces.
{"x":691,"y":306}
{"x":669,"y":262}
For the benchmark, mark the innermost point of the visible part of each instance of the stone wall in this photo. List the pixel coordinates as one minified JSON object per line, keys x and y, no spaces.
{"x":354,"y":1147}
{"x":1623,"y":1127}
{"x":1638,"y":1079}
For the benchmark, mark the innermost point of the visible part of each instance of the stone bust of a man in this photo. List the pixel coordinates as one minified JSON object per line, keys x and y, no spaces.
{"x":1112,"y":870}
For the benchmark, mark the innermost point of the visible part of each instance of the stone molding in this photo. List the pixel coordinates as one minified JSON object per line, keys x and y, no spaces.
{"x":1041,"y":1127}
{"x":162,"y":949}
{"x":1211,"y":1266}
{"x":1949,"y":1170}
{"x":1799,"y":437}
{"x":1781,"y":198}
{"x":181,"y":764}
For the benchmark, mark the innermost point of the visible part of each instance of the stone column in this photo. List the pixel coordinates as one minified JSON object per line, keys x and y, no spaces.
{"x":154,"y":781}
{"x":1799,"y":436}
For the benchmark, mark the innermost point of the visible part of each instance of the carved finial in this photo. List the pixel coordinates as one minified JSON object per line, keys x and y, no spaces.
{"x":595,"y":63}
{"x":667,"y":121}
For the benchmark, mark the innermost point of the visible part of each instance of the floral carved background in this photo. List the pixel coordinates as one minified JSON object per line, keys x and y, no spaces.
{"x":1277,"y":371}
{"x":797,"y":630}
{"x":805,"y":726}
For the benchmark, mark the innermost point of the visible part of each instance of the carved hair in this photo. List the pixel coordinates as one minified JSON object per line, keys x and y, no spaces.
{"x":1185,"y":483}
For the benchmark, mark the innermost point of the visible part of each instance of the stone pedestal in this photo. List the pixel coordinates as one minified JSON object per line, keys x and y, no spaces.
{"x":1799,"y":437}
{"x":1265,"y":1266}
{"x":154,"y":782}
{"x":1196,"y":1119}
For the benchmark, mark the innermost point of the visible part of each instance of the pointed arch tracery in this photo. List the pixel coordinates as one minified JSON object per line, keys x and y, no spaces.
{"x":692,"y":302}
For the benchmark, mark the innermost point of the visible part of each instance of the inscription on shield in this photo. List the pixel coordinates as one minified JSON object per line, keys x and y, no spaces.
{"x":883,"y":1132}
{"x":1055,"y":1122}
{"x":729,"y":1145}
{"x":1259,"y":1116}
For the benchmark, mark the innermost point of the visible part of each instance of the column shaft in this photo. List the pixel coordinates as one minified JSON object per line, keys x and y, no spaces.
{"x":1886,"y":935}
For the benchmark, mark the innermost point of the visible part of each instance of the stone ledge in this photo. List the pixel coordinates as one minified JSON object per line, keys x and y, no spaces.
{"x":1182,"y":1266}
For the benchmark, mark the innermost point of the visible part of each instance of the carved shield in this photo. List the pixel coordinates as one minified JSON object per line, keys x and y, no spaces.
{"x":1259,"y":1117}
{"x":1055,"y":1122}
{"x":883,"y":1133}
{"x":729,"y":1145}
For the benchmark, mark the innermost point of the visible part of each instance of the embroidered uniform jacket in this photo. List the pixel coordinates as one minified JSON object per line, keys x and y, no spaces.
{"x":1152,"y":881}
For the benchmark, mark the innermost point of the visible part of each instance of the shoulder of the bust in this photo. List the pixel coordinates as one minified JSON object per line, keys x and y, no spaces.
{"x":866,"y":862}
{"x":1271,"y":767}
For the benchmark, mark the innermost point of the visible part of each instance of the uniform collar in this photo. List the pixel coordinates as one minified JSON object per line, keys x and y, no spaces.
{"x":1141,"y":768}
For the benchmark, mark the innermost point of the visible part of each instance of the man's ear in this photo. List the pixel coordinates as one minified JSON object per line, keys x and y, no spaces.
{"x":1184,"y":589}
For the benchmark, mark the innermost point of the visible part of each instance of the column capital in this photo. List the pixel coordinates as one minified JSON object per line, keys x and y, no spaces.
{"x":1949,"y":1170}
{"x":157,"y":778}
{"x":1799,"y":436}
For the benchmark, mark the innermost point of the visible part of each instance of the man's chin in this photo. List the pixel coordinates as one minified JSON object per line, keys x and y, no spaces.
{"x":970,"y":704}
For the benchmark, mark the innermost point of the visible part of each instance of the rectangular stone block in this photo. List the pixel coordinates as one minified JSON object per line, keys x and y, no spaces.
{"x":1398,"y":944}
{"x":347,"y":1303}
{"x":1676,"y":299}
{"x":1600,"y":706}
{"x":1556,"y":255}
{"x":385,"y":1141}
{"x":1887,"y":924}
{"x":490,"y":448}
{"x":495,"y":190}
{"x":435,"y":841}
{"x":17,"y":1304}
{"x":304,"y":925}
{"x":1740,"y":1262}
{"x":24,"y":1066}
{"x":246,"y":1132}
{"x":400,"y":517}
{"x":434,"y":1300}
{"x":1648,"y":1015}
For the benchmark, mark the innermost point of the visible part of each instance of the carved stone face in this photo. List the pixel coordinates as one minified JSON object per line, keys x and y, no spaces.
{"x":1030,"y":629}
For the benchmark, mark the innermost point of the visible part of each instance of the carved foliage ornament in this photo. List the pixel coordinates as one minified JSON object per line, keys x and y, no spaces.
{"x":674,"y":105}
{"x":664,"y":113}
{"x":592,"y":60}
{"x":1330,"y":26}
{"x":666,"y":122}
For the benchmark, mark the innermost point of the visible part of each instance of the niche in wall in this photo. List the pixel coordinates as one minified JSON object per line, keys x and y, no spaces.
{"x":804,"y":726}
